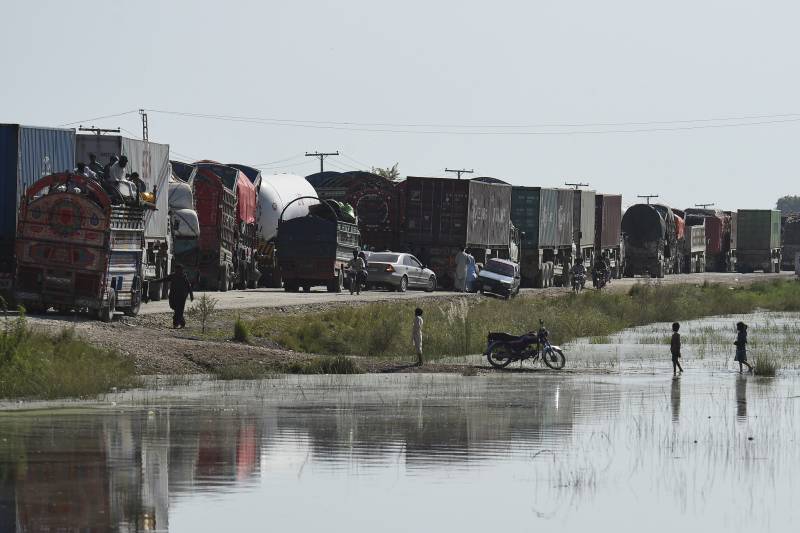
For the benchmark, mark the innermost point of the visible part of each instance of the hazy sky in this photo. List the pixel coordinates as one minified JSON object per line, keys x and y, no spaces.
{"x":460,"y":68}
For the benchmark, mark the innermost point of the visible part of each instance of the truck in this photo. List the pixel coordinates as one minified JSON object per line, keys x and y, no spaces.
{"x":274,"y":192}
{"x":650,"y":235}
{"x":790,"y":242}
{"x":545,"y":219}
{"x":225,"y":201}
{"x":694,"y":249}
{"x":314,"y":249}
{"x":444,"y":215}
{"x":184,"y":223}
{"x":720,"y":255}
{"x":27,"y":154}
{"x":78,"y":251}
{"x":583,"y":220}
{"x":151,"y":161}
{"x":607,"y":234}
{"x":758,"y":240}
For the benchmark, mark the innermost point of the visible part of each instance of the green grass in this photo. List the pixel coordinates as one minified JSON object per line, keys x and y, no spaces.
{"x":241,"y":332}
{"x":457,"y":327}
{"x":36,"y":365}
{"x":315,"y":365}
{"x":766,"y":365}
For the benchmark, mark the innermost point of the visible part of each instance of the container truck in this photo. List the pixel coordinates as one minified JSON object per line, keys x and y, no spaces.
{"x":27,"y":154}
{"x":273,"y":194}
{"x":545,"y":220}
{"x":607,"y":235}
{"x":720,"y":255}
{"x":444,"y":215}
{"x":151,"y":161}
{"x":694,"y":249}
{"x":314,"y":249}
{"x":583,"y":220}
{"x":790,"y":238}
{"x":78,"y":251}
{"x":650,"y":240}
{"x":758,"y":240}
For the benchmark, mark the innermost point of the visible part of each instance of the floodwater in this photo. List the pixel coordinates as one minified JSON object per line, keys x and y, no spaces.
{"x":710,"y":450}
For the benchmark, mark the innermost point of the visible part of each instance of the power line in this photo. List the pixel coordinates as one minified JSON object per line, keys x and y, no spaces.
{"x":354,"y":160}
{"x":98,"y":118}
{"x":321,"y":156}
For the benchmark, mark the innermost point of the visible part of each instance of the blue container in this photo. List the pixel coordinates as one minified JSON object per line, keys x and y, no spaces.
{"x":27,"y":153}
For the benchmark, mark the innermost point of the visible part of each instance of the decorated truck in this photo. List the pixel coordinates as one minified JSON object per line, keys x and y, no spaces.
{"x":78,"y":252}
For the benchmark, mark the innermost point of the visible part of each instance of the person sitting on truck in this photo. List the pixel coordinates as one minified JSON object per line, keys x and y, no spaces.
{"x":94,"y":165}
{"x":117,"y":183}
{"x":106,"y":169}
{"x":82,"y":170}
{"x":179,"y":289}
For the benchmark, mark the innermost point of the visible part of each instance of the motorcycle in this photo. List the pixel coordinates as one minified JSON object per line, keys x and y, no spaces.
{"x":356,"y":281}
{"x":503,"y":349}
{"x":600,"y":279}
{"x":578,"y":282}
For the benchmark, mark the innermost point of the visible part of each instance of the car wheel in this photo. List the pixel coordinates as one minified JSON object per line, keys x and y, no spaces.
{"x":431,"y":284}
{"x":403,"y":284}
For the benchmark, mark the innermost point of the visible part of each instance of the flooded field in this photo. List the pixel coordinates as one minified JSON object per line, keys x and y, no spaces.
{"x":710,"y":450}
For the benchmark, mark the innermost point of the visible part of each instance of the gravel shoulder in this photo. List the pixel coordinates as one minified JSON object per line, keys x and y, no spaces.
{"x":158,"y":349}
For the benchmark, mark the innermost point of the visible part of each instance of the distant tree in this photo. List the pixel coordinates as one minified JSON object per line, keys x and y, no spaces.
{"x":390,"y":173}
{"x":788,"y":204}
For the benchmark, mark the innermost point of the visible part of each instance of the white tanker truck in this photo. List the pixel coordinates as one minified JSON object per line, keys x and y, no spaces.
{"x":274,"y":192}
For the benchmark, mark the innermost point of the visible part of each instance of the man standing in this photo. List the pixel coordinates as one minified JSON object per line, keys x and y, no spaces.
{"x":462,"y":260}
{"x":179,"y":289}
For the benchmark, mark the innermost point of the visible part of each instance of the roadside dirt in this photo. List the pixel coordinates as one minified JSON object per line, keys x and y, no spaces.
{"x":156,"y":348}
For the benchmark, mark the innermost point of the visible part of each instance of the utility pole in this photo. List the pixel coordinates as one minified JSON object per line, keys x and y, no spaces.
{"x":321,"y":156}
{"x":704,"y":206}
{"x":98,"y":131}
{"x":648,"y":196}
{"x":576,"y":186}
{"x":459,"y":171}
{"x":144,"y":125}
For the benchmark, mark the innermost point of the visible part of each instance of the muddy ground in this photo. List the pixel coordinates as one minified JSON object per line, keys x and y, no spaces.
{"x":156,"y":348}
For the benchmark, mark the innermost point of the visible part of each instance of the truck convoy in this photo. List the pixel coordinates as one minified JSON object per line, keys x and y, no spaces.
{"x":27,"y":154}
{"x":314,"y":249}
{"x":151,"y":161}
{"x":545,"y":219}
{"x":650,"y":236}
{"x":77,"y":251}
{"x":758,"y":240}
{"x":443,"y":216}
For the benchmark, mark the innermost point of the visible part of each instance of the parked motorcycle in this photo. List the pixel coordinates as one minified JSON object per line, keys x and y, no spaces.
{"x":502,"y":349}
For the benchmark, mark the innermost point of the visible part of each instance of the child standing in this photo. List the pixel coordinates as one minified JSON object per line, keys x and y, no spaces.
{"x":741,"y":346}
{"x":416,"y":334}
{"x":675,"y":348}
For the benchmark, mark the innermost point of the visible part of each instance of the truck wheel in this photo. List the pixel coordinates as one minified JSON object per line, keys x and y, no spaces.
{"x":335,"y":285}
{"x":660,"y":272}
{"x":224,"y":279}
{"x":154,"y":291}
{"x":135,"y":307}
{"x":106,"y":313}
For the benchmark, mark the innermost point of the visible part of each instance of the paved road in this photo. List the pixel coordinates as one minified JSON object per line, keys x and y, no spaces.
{"x":279,"y":298}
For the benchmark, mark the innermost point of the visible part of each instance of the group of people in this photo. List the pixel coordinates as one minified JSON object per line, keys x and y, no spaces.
{"x":740,"y":343}
{"x":114,"y":177}
{"x":601,"y":269}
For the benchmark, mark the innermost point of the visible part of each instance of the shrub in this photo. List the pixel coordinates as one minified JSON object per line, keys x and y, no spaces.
{"x":241,"y":333}
{"x":203,"y":308}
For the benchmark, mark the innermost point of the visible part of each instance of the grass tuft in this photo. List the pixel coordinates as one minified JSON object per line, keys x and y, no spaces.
{"x":241,"y":333}
{"x":766,"y":365}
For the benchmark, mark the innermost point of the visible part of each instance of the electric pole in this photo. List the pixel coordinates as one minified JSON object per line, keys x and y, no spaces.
{"x":576,"y":186}
{"x":144,"y":125}
{"x":321,"y":156}
{"x":704,"y":206}
{"x":459,"y":171}
{"x":99,"y":131}
{"x":648,"y":196}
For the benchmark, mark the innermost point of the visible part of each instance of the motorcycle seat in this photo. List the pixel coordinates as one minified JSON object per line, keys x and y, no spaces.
{"x":500,"y":336}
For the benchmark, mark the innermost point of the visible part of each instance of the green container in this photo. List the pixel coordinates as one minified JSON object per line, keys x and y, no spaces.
{"x":758,"y":229}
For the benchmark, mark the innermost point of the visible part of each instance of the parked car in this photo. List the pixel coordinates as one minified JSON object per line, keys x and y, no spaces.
{"x":399,"y":271}
{"x":500,"y":277}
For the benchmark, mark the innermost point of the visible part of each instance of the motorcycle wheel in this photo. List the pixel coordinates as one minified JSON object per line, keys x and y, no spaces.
{"x":498,"y":362}
{"x":554,"y":359}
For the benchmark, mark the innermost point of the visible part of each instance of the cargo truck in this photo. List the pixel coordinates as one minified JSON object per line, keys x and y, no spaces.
{"x":694,"y":249}
{"x":27,"y":154}
{"x":444,"y":215}
{"x":583,"y":220}
{"x":151,"y":161}
{"x":545,"y":219}
{"x":607,"y":235}
{"x":720,"y":255}
{"x":650,"y":235}
{"x":184,"y":223}
{"x":758,"y":240}
{"x":790,"y":238}
{"x":77,"y":251}
{"x":273,"y":194}
{"x":314,"y":249}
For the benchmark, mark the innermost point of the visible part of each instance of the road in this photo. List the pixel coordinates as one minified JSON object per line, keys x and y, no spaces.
{"x":259,"y":298}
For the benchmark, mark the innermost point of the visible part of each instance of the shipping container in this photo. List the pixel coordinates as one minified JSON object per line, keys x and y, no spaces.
{"x":608,"y":220}
{"x":758,"y":240}
{"x":583,"y":214}
{"x":27,"y":154}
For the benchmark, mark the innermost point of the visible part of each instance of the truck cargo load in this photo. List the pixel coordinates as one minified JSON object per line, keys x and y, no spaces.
{"x":27,"y":154}
{"x":758,"y":240}
{"x":77,"y":251}
{"x":650,"y":237}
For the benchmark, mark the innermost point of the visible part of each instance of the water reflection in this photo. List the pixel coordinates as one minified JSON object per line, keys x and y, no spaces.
{"x":675,"y":398}
{"x":741,"y":398}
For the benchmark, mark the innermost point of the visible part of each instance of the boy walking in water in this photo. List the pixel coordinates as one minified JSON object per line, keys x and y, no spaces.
{"x":741,"y":346}
{"x":416,"y":334}
{"x":675,"y":348}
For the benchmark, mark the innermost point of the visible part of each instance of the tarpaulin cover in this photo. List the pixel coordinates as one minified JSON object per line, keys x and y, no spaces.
{"x":180,"y":195}
{"x":185,"y":223}
{"x":246,"y":204}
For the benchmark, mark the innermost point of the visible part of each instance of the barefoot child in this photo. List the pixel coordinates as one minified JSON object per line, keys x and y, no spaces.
{"x":741,"y":346}
{"x":675,"y":348}
{"x":416,"y":334}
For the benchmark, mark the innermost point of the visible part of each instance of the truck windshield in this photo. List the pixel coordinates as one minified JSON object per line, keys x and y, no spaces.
{"x":383,"y":258}
{"x":504,"y":269}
